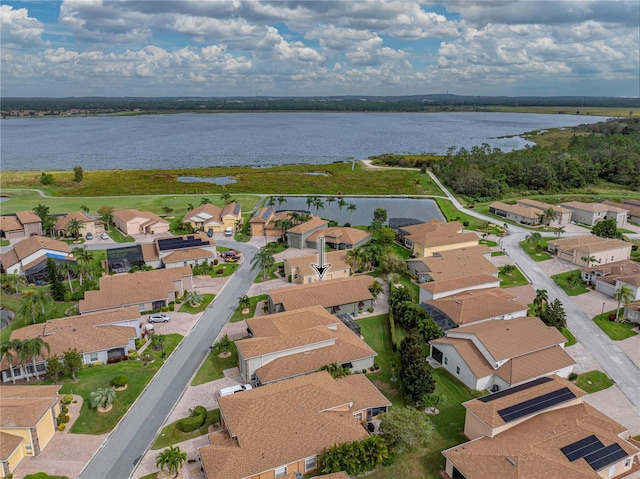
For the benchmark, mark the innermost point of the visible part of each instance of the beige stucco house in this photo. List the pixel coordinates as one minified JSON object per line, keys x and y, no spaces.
{"x":298,"y":235}
{"x":177,"y":251}
{"x":20,"y":225}
{"x":301,"y":271}
{"x":451,"y":264}
{"x":435,"y":236}
{"x":89,"y":224}
{"x":577,"y":249}
{"x":592,"y":213}
{"x":131,"y":222}
{"x":212,"y":217}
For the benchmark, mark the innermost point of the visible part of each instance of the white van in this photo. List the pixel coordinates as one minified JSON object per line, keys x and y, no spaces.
{"x":234,"y":389}
{"x":228,"y":231}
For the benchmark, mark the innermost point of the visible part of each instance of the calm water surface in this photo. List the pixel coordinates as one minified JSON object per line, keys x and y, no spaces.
{"x":191,"y":140}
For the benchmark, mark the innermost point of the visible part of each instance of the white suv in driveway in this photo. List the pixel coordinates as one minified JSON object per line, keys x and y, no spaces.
{"x":234,"y":389}
{"x":159,"y":318}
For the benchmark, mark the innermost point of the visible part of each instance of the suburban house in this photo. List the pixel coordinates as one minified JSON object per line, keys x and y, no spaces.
{"x":20,"y":225}
{"x":591,"y":213}
{"x":29,"y":257}
{"x":435,"y":236}
{"x":147,"y":290}
{"x":577,"y":249}
{"x":608,"y":278}
{"x":470,"y":307}
{"x":632,"y":311}
{"x":211,"y":217}
{"x":176,"y":251}
{"x":530,"y":212}
{"x":339,"y":238}
{"x":27,"y":422}
{"x":89,"y":224}
{"x":300,"y":271}
{"x":297,"y":236}
{"x":263,"y":222}
{"x":293,"y":343}
{"x":106,"y":336}
{"x":496,"y":355}
{"x":338,"y":296}
{"x":132,"y":222}
{"x":542,"y":428}
{"x":448,"y":287}
{"x":452,"y":264}
{"x":282,"y":428}
{"x":633,"y":209}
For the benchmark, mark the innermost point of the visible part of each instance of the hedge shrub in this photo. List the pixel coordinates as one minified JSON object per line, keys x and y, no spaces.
{"x":392,"y":331}
{"x":191,"y":423}
{"x":199,"y":411}
{"x":119,"y":381}
{"x":66,"y":399}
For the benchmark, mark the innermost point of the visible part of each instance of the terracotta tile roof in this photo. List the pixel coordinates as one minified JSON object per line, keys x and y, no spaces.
{"x":24,"y":406}
{"x":437,"y":233}
{"x":487,"y":412}
{"x":63,"y":221}
{"x":10,"y":223}
{"x":207,"y":213}
{"x":534,"y":447}
{"x":34,"y":243}
{"x":8,"y":444}
{"x":314,"y":222}
{"x":188,"y":254}
{"x":133,"y":288}
{"x":535,"y":364}
{"x":543,"y":206}
{"x":470,"y":354}
{"x":150,"y":251}
{"x":592,"y":207}
{"x":508,"y":339}
{"x":340,"y":235}
{"x":87,"y":332}
{"x":28,"y":217}
{"x":337,"y":260}
{"x":325,"y":293}
{"x":130,"y":214}
{"x":282,"y":422}
{"x":478,"y":305}
{"x":293,"y":321}
{"x":460,"y":283}
{"x":457,"y":263}
{"x":588,"y":243}
{"x":518,"y":209}
{"x":626,"y":271}
{"x":633,"y":210}
{"x":362,"y":392}
{"x":9,"y":258}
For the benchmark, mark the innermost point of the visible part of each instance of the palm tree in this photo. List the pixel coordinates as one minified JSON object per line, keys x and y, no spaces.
{"x":7,"y":348}
{"x":84,"y":257}
{"x":263,"y":259}
{"x":623,"y":295}
{"x":23,"y":356}
{"x":351,"y":208}
{"x":540,"y":301}
{"x":34,"y":304}
{"x":13,"y":280}
{"x":84,"y":208}
{"x":106,"y":215}
{"x":190,"y":206}
{"x":74,"y":227}
{"x":318,"y":204}
{"x":375,"y":289}
{"x":193,"y":298}
{"x":66,"y":269}
{"x":244,"y":302}
{"x":310,"y":200}
{"x":508,"y":269}
{"x":549,"y":215}
{"x":41,"y":210}
{"x":341,"y":204}
{"x":271,"y":202}
{"x":173,"y":458}
{"x":589,"y":259}
{"x":534,"y":240}
{"x":560,"y":230}
{"x":205,"y":201}
{"x":238,"y":224}
{"x":167,"y":210}
{"x":33,"y":348}
{"x":225,"y":197}
{"x":330,"y":199}
{"x":102,"y":398}
{"x":280,"y":200}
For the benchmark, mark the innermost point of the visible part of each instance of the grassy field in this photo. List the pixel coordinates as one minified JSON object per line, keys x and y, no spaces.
{"x":561,"y":280}
{"x":516,"y":278}
{"x":616,"y":331}
{"x":593,"y":381}
{"x":213,"y":366}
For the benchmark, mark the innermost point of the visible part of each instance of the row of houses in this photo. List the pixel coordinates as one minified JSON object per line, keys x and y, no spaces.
{"x":533,"y":212}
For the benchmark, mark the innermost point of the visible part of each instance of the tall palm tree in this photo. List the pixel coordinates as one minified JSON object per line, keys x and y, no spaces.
{"x":74,"y":226}
{"x":280,"y":200}
{"x":34,"y":304}
{"x":106,"y":215}
{"x":102,"y":398}
{"x":225,"y":197}
{"x":66,"y":269}
{"x":330,"y":199}
{"x":549,"y":215}
{"x":23,"y":357}
{"x":84,"y":257}
{"x":172,"y":458}
{"x":623,"y":295}
{"x":34,"y":347}
{"x":84,"y":208}
{"x":205,"y":201}
{"x":351,"y":208}
{"x":318,"y":204}
{"x":271,"y":202}
{"x":193,"y":298}
{"x":190,"y":206}
{"x":589,"y":259}
{"x":41,"y":210}
{"x":341,"y":204}
{"x":534,"y":240}
{"x":7,"y":348}
{"x":540,"y":301}
{"x":310,"y":201}
{"x":13,"y":280}
{"x":263,"y":259}
{"x":560,"y":230}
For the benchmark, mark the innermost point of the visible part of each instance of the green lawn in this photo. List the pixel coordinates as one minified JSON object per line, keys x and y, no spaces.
{"x":170,"y":434}
{"x":593,"y":381}
{"x":4,"y":242}
{"x":616,"y":331}
{"x":90,"y":420}
{"x":118,"y":237}
{"x":561,"y":280}
{"x":452,"y":214}
{"x":270,"y":273}
{"x":516,"y":278}
{"x":213,"y":366}
{"x":497,"y":253}
{"x":206,"y":301}
{"x":571,"y":339}
{"x":223,"y":269}
{"x":488,"y":243}
{"x":536,"y":255}
{"x":254,"y":300}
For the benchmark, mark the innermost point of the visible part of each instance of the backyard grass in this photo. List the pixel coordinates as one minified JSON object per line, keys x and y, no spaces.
{"x":206,"y":301}
{"x":539,"y":254}
{"x":170,"y":434}
{"x":571,"y":339}
{"x":90,"y":420}
{"x":616,"y":331}
{"x":253,"y":302}
{"x":213,"y":366}
{"x":450,"y":213}
{"x":12,"y":302}
{"x":516,"y":278}
{"x":593,"y":381}
{"x":571,"y":290}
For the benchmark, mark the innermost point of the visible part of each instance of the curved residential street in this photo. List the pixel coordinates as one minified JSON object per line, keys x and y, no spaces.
{"x":119,"y":454}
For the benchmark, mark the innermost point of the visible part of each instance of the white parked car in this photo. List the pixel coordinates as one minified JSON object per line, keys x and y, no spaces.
{"x":228,"y":231}
{"x":104,"y":236}
{"x":238,"y":388}
{"x":159,"y":318}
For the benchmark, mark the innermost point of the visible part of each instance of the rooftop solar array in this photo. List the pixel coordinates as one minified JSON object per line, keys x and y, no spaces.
{"x":515,"y":389}
{"x":539,"y":403}
{"x":594,"y":452}
{"x":181,"y":243}
{"x":443,"y":321}
{"x":266,"y":214}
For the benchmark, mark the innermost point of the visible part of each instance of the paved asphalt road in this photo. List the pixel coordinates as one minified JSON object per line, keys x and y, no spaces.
{"x":119,"y":454}
{"x":613,"y":361}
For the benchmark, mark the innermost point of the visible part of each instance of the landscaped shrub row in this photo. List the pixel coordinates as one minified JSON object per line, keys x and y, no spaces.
{"x":119,"y":381}
{"x":193,"y":422}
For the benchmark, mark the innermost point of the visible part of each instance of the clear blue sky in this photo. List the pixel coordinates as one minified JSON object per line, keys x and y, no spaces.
{"x":293,"y":48}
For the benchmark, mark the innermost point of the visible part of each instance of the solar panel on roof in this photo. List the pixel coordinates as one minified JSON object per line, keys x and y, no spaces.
{"x":515,"y":389}
{"x":266,"y":214}
{"x":605,"y":456}
{"x":582,"y":448}
{"x":539,"y":403}
{"x":180,"y":243}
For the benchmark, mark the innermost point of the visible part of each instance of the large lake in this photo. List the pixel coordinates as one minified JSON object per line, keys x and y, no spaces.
{"x":191,"y":140}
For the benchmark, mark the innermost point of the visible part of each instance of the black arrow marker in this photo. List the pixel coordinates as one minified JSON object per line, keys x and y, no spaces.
{"x":321,"y":268}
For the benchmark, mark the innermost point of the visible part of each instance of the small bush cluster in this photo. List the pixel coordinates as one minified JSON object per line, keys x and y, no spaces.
{"x":66,"y":399}
{"x":572,"y":376}
{"x":133,"y":355}
{"x":139,"y":343}
{"x":193,"y":422}
{"x":119,"y":381}
{"x":61,"y":427}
